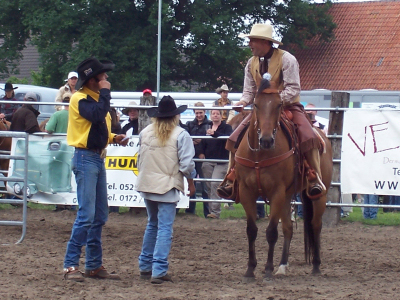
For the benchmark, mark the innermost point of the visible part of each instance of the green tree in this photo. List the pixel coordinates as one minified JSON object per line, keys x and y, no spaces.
{"x":200,"y":44}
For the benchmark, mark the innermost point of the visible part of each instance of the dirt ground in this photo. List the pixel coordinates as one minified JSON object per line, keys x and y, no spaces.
{"x":207,"y":261}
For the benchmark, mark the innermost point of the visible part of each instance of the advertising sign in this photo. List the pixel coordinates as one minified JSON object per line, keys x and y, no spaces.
{"x":51,"y":181}
{"x":371,"y":152}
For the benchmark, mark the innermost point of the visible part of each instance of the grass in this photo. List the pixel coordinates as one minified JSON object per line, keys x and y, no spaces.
{"x":383,"y":219}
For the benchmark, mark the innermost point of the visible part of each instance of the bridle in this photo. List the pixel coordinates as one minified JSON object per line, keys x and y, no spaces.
{"x":258,"y":130}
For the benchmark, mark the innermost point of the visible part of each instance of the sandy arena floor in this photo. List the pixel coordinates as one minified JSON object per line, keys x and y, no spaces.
{"x":207,"y":261}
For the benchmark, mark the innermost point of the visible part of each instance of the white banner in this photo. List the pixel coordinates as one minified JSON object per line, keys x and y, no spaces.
{"x":51,"y":181}
{"x":371,"y":152}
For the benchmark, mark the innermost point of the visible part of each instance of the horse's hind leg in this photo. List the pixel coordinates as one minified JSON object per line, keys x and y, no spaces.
{"x":316,"y":223}
{"x":312,"y":212}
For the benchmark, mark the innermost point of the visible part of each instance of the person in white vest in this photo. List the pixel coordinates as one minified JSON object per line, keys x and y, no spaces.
{"x":165,"y":157}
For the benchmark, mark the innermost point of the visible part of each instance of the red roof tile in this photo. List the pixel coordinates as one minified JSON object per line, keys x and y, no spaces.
{"x":364,"y":55}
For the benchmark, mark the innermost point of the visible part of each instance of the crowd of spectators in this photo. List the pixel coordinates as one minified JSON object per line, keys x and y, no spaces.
{"x":24,"y":118}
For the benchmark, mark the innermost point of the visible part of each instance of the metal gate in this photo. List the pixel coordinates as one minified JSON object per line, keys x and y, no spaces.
{"x":23,"y":178}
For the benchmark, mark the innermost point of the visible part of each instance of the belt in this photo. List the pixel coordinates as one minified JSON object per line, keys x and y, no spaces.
{"x":98,"y":151}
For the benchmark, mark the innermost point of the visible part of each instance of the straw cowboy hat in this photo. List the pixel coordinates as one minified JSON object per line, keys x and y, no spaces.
{"x":223,"y":88}
{"x":261,"y":31}
{"x":166,"y":108}
{"x":90,"y":68}
{"x":126,"y":110}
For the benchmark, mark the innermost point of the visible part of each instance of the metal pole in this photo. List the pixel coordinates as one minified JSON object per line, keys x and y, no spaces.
{"x":159,"y":50}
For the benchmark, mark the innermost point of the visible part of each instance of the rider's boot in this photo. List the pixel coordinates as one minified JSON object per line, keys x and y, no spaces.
{"x":315,"y":186}
{"x":225,"y":189}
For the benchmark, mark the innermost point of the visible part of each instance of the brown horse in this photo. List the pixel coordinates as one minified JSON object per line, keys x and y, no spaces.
{"x":274,"y":175}
{"x":5,"y":146}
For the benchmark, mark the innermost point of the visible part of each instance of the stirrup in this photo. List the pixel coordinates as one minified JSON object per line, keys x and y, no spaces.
{"x":226,"y":191}
{"x":315,"y":189}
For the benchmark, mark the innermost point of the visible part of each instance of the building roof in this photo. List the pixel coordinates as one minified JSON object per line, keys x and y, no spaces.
{"x":29,"y":62}
{"x":364,"y":55}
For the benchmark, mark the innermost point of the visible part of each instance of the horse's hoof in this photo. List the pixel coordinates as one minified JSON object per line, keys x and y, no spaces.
{"x":316,"y":272}
{"x":248,"y":279}
{"x":268,"y":279}
{"x":282,"y":270}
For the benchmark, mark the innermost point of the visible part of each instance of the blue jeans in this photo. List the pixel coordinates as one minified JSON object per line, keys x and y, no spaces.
{"x":90,"y":175}
{"x":394,"y":200}
{"x":157,"y":238}
{"x":192,"y":204}
{"x":260,"y":208}
{"x":370,"y":212}
{"x":300,"y":206}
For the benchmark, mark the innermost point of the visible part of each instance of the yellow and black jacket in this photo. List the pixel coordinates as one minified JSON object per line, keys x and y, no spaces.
{"x":89,"y":123}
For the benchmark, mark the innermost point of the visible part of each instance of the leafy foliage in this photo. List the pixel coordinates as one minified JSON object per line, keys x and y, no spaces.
{"x":200,"y":45}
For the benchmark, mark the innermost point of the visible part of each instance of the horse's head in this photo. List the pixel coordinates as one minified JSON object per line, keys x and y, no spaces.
{"x":268,"y":108}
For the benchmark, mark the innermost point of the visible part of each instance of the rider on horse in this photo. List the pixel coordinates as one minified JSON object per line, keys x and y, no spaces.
{"x":285,"y":80}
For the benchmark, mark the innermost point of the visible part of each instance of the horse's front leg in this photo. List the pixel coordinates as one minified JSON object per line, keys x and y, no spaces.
{"x":272,"y":237}
{"x":251,"y":236}
{"x":287,"y":228}
{"x":251,"y":213}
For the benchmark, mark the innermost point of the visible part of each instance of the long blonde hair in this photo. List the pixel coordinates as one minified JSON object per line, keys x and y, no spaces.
{"x":163,"y":128}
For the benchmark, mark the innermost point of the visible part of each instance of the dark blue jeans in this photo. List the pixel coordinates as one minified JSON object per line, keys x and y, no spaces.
{"x":192,"y":204}
{"x":260,"y":208}
{"x":90,"y":176}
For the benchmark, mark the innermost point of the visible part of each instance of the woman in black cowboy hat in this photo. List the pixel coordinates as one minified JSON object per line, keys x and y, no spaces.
{"x":165,"y":157}
{"x":8,"y":109}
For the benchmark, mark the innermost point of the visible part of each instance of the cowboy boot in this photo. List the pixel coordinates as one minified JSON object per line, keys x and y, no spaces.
{"x":315,"y":186}
{"x":225,"y":189}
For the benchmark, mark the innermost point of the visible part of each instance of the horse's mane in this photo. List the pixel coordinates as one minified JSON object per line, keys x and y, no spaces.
{"x":265,"y":83}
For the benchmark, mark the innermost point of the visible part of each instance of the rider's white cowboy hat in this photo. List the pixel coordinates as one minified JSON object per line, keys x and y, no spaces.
{"x":261,"y":31}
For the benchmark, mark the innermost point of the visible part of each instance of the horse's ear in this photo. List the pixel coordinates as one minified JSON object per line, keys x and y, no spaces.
{"x":263,"y":85}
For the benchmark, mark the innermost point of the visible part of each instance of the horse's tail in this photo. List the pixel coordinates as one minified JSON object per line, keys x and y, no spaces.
{"x":309,"y":237}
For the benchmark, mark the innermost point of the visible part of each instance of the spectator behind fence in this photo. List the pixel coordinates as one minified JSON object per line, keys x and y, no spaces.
{"x":394,"y":200}
{"x":370,"y":212}
{"x":89,"y":131}
{"x":198,"y":127}
{"x":165,"y":157}
{"x":69,"y":87}
{"x":58,"y":122}
{"x":215,"y":149}
{"x":8,"y":109}
{"x":311,"y":114}
{"x":227,"y":115}
{"x":130,"y":126}
{"x":25,"y":118}
{"x":116,"y":128}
